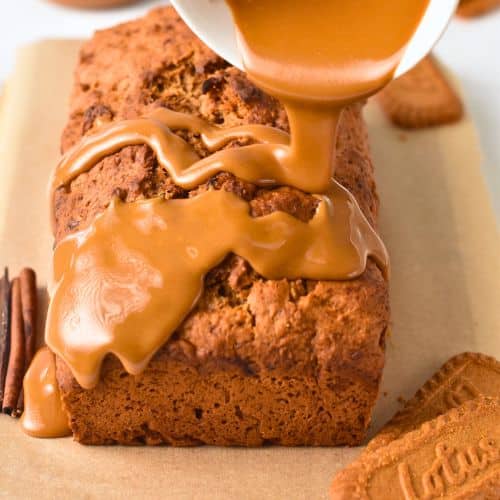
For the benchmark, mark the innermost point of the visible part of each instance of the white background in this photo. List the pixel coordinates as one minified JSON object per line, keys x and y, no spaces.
{"x":470,"y":48}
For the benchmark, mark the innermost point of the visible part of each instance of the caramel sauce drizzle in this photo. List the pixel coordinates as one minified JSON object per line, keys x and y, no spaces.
{"x":175,"y":155}
{"x":140,"y":267}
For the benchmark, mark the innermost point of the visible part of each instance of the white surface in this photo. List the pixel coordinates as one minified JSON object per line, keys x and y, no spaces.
{"x":469,"y":48}
{"x":432,"y":26}
{"x":211,"y":20}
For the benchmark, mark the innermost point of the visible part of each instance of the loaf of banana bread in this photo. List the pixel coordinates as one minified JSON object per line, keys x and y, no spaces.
{"x":288,"y":362}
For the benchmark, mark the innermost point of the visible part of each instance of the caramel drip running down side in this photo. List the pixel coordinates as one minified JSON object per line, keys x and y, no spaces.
{"x":127,"y":282}
{"x":43,"y":415}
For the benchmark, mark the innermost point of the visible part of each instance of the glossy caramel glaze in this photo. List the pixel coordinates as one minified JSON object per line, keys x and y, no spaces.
{"x":140,"y":267}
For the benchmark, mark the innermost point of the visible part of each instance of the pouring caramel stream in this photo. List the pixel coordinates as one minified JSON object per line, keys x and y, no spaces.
{"x":316,"y":57}
{"x":124,"y":284}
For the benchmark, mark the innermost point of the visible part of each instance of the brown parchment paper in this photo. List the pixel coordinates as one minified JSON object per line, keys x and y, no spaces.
{"x":438,"y":225}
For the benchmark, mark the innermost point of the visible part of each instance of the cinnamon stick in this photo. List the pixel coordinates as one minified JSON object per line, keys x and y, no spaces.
{"x":27,"y":281}
{"x":15,"y":369}
{"x":4,"y":330}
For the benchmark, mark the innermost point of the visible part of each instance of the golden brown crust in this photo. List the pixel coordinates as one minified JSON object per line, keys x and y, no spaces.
{"x":421,"y":98}
{"x":474,"y":8}
{"x":293,"y":361}
{"x":456,"y":455}
{"x":461,"y":378}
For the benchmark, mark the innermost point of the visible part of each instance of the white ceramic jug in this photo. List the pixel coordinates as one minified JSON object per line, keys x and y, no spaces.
{"x":211,"y":20}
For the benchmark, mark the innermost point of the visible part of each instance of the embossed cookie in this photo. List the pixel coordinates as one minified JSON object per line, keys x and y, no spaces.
{"x":463,"y":377}
{"x":473,"y":8}
{"x":421,"y":98}
{"x":456,"y":455}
